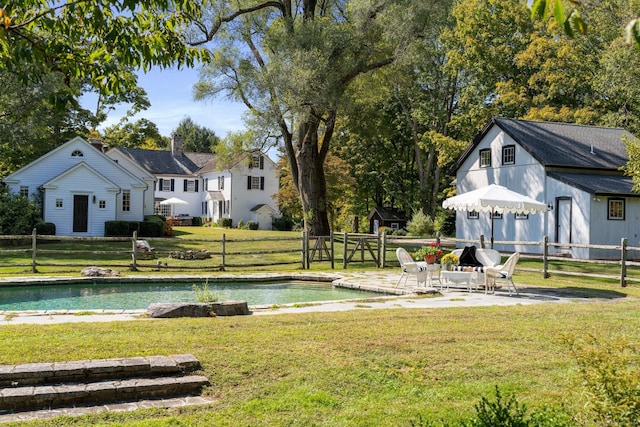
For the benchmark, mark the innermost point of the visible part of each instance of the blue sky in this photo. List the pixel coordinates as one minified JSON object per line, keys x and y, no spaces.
{"x":171,"y":95}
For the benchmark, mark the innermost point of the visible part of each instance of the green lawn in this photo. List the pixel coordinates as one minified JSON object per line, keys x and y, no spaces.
{"x":403,"y":367}
{"x":360,"y":368}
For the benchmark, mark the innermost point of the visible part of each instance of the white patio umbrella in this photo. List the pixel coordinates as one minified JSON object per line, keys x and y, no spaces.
{"x":173,"y":201}
{"x":494,"y":199}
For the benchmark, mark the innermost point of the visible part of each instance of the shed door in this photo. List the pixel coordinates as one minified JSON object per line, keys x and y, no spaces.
{"x":563,"y":221}
{"x":80,"y":213}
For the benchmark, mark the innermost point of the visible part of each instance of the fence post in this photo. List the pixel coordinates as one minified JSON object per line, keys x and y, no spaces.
{"x":345,"y":247}
{"x":134,"y":252}
{"x":34,"y":239}
{"x":545,"y":257}
{"x":307,"y":250}
{"x":224,"y":250}
{"x":623,"y":262}
{"x":482,"y":241}
{"x":333,"y":251}
{"x":382,"y":252}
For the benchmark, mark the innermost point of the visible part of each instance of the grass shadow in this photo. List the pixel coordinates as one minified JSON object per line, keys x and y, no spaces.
{"x":575,"y":292}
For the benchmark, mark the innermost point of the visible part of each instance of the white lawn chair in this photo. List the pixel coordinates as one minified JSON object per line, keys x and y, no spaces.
{"x":504,"y":271}
{"x":409,"y":267}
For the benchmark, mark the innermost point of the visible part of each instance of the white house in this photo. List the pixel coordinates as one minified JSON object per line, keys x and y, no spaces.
{"x":244,"y":189}
{"x":574,"y":169}
{"x":81,"y":188}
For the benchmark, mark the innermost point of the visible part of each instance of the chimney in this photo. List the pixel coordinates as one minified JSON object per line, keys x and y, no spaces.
{"x":176,"y":145}
{"x":97,"y":143}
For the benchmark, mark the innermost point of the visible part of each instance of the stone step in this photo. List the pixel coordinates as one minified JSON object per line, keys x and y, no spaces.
{"x":95,"y":370}
{"x":22,"y":398}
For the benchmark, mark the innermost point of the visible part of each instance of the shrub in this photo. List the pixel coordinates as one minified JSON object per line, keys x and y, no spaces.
{"x":610,"y":372}
{"x":205,"y":294}
{"x":284,"y":223}
{"x":197,"y":221}
{"x":151,"y":229}
{"x":420,"y":225}
{"x":154,"y":218}
{"x":241,"y":224}
{"x":18,"y":215}
{"x":225,"y":222}
{"x":120,"y":228}
{"x":253,"y":225}
{"x":46,"y":228}
{"x":400,"y":232}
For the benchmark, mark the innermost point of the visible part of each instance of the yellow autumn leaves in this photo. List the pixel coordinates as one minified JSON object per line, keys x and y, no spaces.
{"x":5,"y":20}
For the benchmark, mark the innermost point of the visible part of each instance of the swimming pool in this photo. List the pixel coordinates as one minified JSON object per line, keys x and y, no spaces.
{"x":138,"y":296}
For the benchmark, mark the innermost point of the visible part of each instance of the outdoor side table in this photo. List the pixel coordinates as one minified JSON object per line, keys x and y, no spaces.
{"x":448,"y":277}
{"x":432,"y":274}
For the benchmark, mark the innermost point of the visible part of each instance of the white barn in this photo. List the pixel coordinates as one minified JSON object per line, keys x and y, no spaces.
{"x":81,"y":188}
{"x":574,"y":169}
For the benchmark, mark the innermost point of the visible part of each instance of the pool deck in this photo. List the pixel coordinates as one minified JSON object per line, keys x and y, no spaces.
{"x":406,"y":296}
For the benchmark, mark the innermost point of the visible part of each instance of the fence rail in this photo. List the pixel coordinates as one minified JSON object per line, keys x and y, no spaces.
{"x":304,"y":250}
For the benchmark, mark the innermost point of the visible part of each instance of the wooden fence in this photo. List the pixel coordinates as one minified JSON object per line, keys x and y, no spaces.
{"x":305,"y":250}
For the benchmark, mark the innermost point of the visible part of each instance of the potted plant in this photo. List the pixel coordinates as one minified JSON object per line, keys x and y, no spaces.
{"x":449,"y":260}
{"x":429,"y":253}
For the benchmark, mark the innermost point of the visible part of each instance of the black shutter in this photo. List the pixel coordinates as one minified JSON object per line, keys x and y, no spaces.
{"x":184,"y":186}
{"x":262,"y":182}
{"x":249,"y":183}
{"x":196,"y":185}
{"x":172,"y":184}
{"x":261,"y":162}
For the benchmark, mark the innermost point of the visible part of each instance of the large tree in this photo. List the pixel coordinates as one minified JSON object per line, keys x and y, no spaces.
{"x":196,"y":138}
{"x":292,"y":63}
{"x":102,"y":41}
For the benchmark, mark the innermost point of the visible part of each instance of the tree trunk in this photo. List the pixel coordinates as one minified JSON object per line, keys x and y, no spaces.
{"x":311,"y":182}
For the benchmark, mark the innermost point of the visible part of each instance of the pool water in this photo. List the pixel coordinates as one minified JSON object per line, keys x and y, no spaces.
{"x":138,"y":296}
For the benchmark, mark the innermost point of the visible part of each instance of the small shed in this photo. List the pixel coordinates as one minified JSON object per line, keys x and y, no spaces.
{"x":264,"y":215}
{"x":386,"y":217}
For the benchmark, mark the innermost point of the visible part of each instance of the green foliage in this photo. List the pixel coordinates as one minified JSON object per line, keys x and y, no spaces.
{"x":46,"y":228}
{"x":284,"y":223}
{"x":500,"y":412}
{"x":18,"y":215}
{"x":420,"y":225}
{"x":196,"y":138}
{"x":204,"y":294}
{"x":610,"y":373}
{"x":121,"y":228}
{"x":253,"y":225}
{"x":150,"y":229}
{"x":141,"y":134}
{"x":101,"y":43}
{"x":225,"y":222}
{"x":241,"y":225}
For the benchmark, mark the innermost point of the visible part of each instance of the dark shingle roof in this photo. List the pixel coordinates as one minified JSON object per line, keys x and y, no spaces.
{"x":618,"y":185}
{"x":569,"y":145}
{"x":164,"y":163}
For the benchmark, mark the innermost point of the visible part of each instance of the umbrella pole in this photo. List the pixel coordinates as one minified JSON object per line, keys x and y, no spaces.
{"x":492,"y":215}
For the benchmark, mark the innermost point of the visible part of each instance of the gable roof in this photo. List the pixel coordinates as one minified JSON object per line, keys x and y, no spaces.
{"x":82,"y":144}
{"x":562,"y":144}
{"x":388,"y":214}
{"x":161,"y":162}
{"x":54,"y":182}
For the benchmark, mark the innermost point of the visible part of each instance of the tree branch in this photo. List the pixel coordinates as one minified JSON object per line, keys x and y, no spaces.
{"x":224,"y":19}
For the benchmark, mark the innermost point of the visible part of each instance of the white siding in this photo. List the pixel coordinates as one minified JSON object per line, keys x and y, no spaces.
{"x":526,"y":176}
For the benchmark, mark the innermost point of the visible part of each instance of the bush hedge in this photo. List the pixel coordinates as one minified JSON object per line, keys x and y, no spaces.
{"x":121,"y":228}
{"x":253,"y":225}
{"x":46,"y":228}
{"x":225,"y":222}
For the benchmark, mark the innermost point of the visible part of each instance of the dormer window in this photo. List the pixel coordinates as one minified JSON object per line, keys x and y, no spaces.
{"x":77,"y":153}
{"x":257,"y":161}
